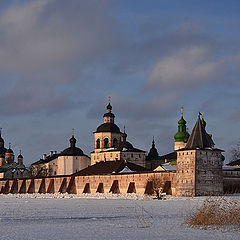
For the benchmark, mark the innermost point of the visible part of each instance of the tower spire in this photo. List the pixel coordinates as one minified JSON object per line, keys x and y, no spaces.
{"x":153,"y":143}
{"x":181,"y":111}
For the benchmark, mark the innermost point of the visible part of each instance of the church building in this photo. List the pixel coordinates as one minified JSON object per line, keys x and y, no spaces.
{"x":110,"y":144}
{"x":67,"y":162}
{"x":9,"y":169}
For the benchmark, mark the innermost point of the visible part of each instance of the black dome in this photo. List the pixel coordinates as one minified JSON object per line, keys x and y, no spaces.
{"x":108,"y":127}
{"x":123,"y":145}
{"x":9,"y":150}
{"x":72,"y":151}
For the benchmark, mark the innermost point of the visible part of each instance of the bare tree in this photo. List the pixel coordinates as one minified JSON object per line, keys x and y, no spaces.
{"x":39,"y":171}
{"x":157,"y":185}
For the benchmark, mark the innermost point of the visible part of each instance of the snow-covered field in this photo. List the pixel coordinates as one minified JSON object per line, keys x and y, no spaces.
{"x":100,"y":216}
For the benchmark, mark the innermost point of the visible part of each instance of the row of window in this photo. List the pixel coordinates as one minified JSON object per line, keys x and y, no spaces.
{"x":106,"y":143}
{"x":206,"y":153}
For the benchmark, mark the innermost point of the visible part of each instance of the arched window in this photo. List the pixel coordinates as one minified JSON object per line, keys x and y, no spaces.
{"x":98,"y":143}
{"x":115,"y":141}
{"x":105,"y":142}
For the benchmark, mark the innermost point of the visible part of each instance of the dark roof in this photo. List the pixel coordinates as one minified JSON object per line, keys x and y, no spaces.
{"x":48,"y":159}
{"x":110,"y":167}
{"x":72,"y":151}
{"x":199,"y":137}
{"x":108,"y":127}
{"x":9,"y":150}
{"x":109,"y":115}
{"x":234,"y":163}
{"x":169,"y":156}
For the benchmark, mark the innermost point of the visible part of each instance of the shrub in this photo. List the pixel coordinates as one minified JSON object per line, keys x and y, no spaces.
{"x":215,"y":211}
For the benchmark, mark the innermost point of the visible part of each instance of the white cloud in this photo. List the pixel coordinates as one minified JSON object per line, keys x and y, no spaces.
{"x":54,"y":39}
{"x":188,"y":67}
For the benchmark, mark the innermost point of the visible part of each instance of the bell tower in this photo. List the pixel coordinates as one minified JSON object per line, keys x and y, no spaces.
{"x":182,"y":135}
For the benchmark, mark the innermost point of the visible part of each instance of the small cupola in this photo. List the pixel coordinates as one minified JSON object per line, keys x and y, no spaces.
{"x":109,"y":116}
{"x":153,"y":153}
{"x":72,"y":141}
{"x":20,"y":158}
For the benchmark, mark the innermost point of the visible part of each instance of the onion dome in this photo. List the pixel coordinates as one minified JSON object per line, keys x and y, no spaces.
{"x":108,"y":125}
{"x":182,"y":135}
{"x":20,"y":155}
{"x":9,"y":150}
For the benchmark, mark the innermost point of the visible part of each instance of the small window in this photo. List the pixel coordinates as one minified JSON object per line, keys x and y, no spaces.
{"x":98,"y":143}
{"x":105,"y":142}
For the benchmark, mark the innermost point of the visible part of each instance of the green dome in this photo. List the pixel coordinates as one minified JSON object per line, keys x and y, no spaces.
{"x":182,"y":121}
{"x":182,"y":135}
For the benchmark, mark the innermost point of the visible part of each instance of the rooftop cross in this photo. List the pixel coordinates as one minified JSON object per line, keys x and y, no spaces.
{"x":181,"y":111}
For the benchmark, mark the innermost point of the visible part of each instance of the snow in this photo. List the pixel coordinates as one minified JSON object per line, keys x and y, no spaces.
{"x":100,"y":216}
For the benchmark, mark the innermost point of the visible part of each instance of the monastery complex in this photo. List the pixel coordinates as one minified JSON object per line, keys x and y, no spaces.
{"x":193,"y":168}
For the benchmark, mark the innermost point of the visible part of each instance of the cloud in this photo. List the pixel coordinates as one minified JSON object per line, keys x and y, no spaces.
{"x":29,"y":98}
{"x":53,"y":40}
{"x":136,"y":109}
{"x":187,"y":68}
{"x":45,"y":45}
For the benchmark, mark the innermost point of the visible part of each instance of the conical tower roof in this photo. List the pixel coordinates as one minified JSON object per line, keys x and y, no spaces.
{"x":199,"y":137}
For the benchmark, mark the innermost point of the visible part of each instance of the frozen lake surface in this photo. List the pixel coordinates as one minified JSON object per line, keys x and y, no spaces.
{"x":77,"y":217}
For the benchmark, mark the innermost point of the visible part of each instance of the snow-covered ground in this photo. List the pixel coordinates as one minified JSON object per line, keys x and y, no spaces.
{"x":100,"y":216}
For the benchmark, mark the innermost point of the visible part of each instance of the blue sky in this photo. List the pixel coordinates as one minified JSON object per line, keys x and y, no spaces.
{"x":60,"y":60}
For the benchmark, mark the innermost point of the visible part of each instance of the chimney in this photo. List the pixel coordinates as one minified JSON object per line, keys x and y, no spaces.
{"x":51,"y":153}
{"x":44,"y":156}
